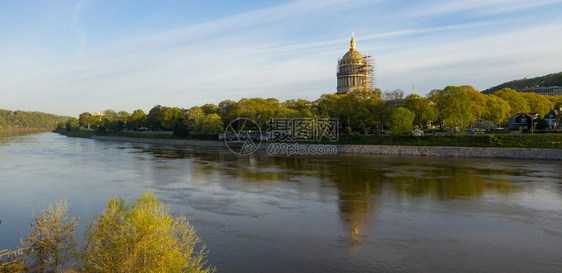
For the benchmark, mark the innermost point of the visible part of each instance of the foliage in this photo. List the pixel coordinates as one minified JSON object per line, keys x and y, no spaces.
{"x":210,"y":108}
{"x":211,"y":124}
{"x":51,"y":244}
{"x":137,"y":119}
{"x":363,"y":110}
{"x":547,"y":80}
{"x":514,"y":99}
{"x":360,"y":108}
{"x":16,"y":120}
{"x":537,"y":103}
{"x":169,"y":116}
{"x":196,"y":115}
{"x":84,"y":119}
{"x":498,"y":110}
{"x":454,"y":107}
{"x":542,"y":124}
{"x":524,"y":140}
{"x":423,"y":111}
{"x":72,"y":124}
{"x":182,"y":127}
{"x":153,"y":119}
{"x":142,"y":237}
{"x":402,"y":120}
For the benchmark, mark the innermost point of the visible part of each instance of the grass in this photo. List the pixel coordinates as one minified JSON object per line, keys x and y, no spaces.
{"x":493,"y":140}
{"x":485,"y":140}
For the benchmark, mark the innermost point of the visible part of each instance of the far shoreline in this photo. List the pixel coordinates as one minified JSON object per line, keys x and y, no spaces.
{"x":432,"y":151}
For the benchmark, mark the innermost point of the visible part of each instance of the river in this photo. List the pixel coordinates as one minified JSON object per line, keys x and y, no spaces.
{"x":336,"y":213}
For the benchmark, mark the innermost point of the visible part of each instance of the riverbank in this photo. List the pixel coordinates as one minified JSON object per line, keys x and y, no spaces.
{"x":508,"y":153}
{"x":31,"y":129}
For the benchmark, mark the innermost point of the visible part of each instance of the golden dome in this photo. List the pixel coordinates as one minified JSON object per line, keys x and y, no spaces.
{"x":352,"y":57}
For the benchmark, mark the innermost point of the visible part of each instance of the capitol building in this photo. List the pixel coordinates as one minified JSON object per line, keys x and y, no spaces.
{"x":354,"y":70}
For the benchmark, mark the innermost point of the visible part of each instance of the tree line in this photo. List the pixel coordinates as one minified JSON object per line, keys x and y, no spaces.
{"x":18,"y":120}
{"x":554,"y":79}
{"x":362,"y":110}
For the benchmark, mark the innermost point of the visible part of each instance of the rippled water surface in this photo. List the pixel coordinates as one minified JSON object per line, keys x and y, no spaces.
{"x":343,"y":213}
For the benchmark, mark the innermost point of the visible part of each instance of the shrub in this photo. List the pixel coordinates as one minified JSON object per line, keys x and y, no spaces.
{"x":142,"y":237}
{"x":51,"y":244}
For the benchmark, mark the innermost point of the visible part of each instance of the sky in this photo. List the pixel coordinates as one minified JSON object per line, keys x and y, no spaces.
{"x":67,"y":57}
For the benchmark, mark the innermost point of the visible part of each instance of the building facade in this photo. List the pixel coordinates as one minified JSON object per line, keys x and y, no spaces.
{"x":524,"y":120}
{"x":354,"y":70}
{"x":549,"y":91}
{"x":553,"y":119}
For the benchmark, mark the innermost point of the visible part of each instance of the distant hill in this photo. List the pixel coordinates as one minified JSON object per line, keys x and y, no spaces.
{"x":21,"y":120}
{"x":547,"y":80}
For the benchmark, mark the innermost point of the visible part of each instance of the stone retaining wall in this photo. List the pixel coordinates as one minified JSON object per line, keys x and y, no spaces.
{"x":513,"y":153}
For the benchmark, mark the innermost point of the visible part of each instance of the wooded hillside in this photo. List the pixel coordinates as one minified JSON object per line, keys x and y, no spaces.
{"x":547,"y":80}
{"x":21,"y":120}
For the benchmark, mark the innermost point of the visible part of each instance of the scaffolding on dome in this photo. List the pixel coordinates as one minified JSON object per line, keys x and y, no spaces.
{"x":370,"y":66}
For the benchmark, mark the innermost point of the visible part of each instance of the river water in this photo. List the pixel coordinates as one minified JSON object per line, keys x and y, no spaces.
{"x":337,"y":213}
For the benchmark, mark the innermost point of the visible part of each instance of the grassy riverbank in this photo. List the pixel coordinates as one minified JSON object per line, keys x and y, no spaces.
{"x":551,"y":141}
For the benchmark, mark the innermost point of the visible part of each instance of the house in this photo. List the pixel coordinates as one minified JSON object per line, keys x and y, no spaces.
{"x":553,"y":119}
{"x":523,"y":120}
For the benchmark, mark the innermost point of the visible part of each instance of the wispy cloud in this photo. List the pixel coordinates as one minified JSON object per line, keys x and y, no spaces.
{"x":478,"y":6}
{"x":243,"y":55}
{"x":77,"y":27}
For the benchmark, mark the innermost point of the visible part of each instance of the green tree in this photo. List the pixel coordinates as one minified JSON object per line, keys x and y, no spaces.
{"x":479,"y":103}
{"x":228,"y":110}
{"x":111,"y":114}
{"x":538,"y":103}
{"x":142,"y":237}
{"x":72,"y":124}
{"x":137,"y":119}
{"x":154,"y":119}
{"x":498,"y":110}
{"x":359,"y":107}
{"x":514,"y":99}
{"x":123,"y":116}
{"x":258,"y":109}
{"x":402,"y":120}
{"x":421,"y":108}
{"x":169,"y":116}
{"x":211,"y":124}
{"x":327,"y":106}
{"x":302,"y":107}
{"x":51,"y":243}
{"x":85,"y":119}
{"x":182,"y":127}
{"x":542,"y":124}
{"x":196,"y":116}
{"x":454,"y":107}
{"x":210,"y":108}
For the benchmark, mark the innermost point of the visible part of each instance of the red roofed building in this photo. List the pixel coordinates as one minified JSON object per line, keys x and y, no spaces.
{"x":523,"y":120}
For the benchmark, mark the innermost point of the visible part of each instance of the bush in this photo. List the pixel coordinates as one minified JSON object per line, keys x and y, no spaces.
{"x":51,"y":244}
{"x":142,"y":237}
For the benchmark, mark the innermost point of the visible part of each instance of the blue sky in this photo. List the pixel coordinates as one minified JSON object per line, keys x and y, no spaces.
{"x":67,"y":57}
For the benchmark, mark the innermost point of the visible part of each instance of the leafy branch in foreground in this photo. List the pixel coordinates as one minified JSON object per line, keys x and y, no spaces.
{"x":51,"y":243}
{"x":142,"y":237}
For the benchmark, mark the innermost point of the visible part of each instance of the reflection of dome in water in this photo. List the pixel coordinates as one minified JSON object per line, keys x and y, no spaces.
{"x":353,"y":70}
